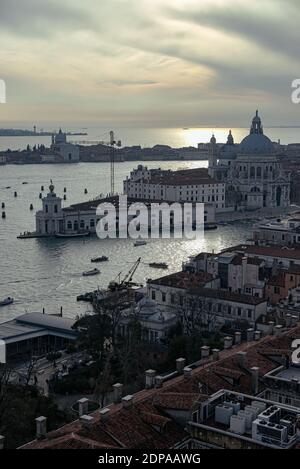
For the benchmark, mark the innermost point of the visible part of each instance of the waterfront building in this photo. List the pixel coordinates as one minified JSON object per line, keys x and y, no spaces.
{"x":82,"y":217}
{"x":280,"y":232}
{"x":155,"y":320}
{"x":67,"y":152}
{"x":2,"y":159}
{"x":252,"y":171}
{"x":226,"y":404}
{"x":199,"y":294}
{"x":192,"y":185}
{"x":36,"y":334}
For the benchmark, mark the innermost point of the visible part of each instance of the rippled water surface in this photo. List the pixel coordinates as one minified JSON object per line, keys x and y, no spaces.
{"x":47,"y":273}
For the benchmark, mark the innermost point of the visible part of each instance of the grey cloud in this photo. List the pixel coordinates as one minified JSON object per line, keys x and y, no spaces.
{"x":41,"y":17}
{"x":260,"y":26}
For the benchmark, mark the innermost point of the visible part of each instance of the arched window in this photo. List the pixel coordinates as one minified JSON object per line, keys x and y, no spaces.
{"x":258,"y":172}
{"x":252,"y":172}
{"x":69,"y":225}
{"x":81,"y":223}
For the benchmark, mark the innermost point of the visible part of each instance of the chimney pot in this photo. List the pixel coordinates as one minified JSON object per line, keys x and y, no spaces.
{"x":180,"y":364}
{"x":257,"y":335}
{"x":228,"y":343}
{"x":187,"y":372}
{"x":216,"y":354}
{"x":159,"y":381}
{"x":237,"y":338}
{"x":104,"y":414}
{"x":242,"y":359}
{"x":127,"y":401}
{"x":205,"y":351}
{"x":83,"y":406}
{"x":41,"y":427}
{"x":150,"y":378}
{"x":254,"y":379}
{"x":250,"y":335}
{"x":118,"y":392}
{"x":86,"y":420}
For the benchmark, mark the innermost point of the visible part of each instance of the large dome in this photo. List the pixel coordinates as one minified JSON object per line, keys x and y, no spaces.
{"x":256,"y":142}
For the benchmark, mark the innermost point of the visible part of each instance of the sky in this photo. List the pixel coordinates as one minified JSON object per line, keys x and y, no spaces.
{"x":149,"y":63}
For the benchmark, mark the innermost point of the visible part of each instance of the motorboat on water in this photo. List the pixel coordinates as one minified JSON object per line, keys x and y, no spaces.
{"x":159,"y":265}
{"x":89,"y":273}
{"x":140,"y":242}
{"x":100,"y":259}
{"x":7,"y":301}
{"x":80,"y":234}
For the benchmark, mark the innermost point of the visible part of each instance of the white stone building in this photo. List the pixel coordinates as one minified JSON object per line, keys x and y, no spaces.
{"x":193,"y":185}
{"x":67,"y":151}
{"x":251,"y":170}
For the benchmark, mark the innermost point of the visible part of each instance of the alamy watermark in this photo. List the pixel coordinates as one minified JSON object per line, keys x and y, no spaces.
{"x":2,"y":92}
{"x":2,"y":352}
{"x":150,"y":220}
{"x":296,"y":352}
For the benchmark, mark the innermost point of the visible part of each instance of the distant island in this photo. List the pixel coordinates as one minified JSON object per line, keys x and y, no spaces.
{"x":32,"y":133}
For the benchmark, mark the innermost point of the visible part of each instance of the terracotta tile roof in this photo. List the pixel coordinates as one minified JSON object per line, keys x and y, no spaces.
{"x":183,"y":280}
{"x":135,"y":427}
{"x":172,"y":400}
{"x":226,"y":295}
{"x":269,"y":251}
{"x":277,"y":280}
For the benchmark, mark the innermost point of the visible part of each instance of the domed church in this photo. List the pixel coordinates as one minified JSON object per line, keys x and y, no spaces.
{"x":251,"y":170}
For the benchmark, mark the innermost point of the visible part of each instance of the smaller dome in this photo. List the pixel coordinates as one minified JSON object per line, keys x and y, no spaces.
{"x":256,"y":142}
{"x":51,"y":187}
{"x":213,"y":140}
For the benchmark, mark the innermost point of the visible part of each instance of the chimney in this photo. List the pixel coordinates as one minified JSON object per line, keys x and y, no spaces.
{"x":150,"y":379}
{"x":257,"y":335}
{"x":118,"y":392}
{"x":41,"y":427}
{"x":205,"y":352}
{"x":159,"y":381}
{"x":180,"y":364}
{"x":86,"y":421}
{"x":104,"y":414}
{"x":250,"y":335}
{"x":228,"y":341}
{"x":237,"y":338}
{"x":278,"y":330}
{"x":288,"y":320}
{"x":187,"y":372}
{"x":242,"y":359}
{"x":216,"y":354}
{"x":254,"y":379}
{"x":2,"y":441}
{"x":271,"y":327}
{"x":127,"y":401}
{"x":295,"y":320}
{"x":83,"y":406}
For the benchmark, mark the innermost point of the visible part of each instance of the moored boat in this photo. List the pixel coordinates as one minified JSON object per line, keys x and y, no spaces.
{"x":100,"y":259}
{"x":7,"y":301}
{"x":140,"y":242}
{"x":89,"y":273}
{"x":80,"y":234}
{"x":159,"y":265}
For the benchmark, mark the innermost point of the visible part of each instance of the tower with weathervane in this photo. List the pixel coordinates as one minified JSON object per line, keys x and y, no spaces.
{"x":49,"y":220}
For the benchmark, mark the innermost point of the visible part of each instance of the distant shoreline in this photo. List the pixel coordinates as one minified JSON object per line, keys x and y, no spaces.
{"x":31,"y":133}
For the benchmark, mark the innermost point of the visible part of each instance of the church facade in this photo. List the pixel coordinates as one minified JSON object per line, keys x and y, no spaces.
{"x":252,"y":171}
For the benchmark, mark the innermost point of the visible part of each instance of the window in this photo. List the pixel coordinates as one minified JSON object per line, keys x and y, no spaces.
{"x":277,"y":290}
{"x":69,"y":225}
{"x":163,"y":297}
{"x":92,"y":223}
{"x":46,"y":207}
{"x":153,"y":296}
{"x":249,"y":312}
{"x":55,"y":208}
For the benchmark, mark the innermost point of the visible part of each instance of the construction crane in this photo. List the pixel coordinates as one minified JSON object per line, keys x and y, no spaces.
{"x":113,"y":286}
{"x":113,"y":143}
